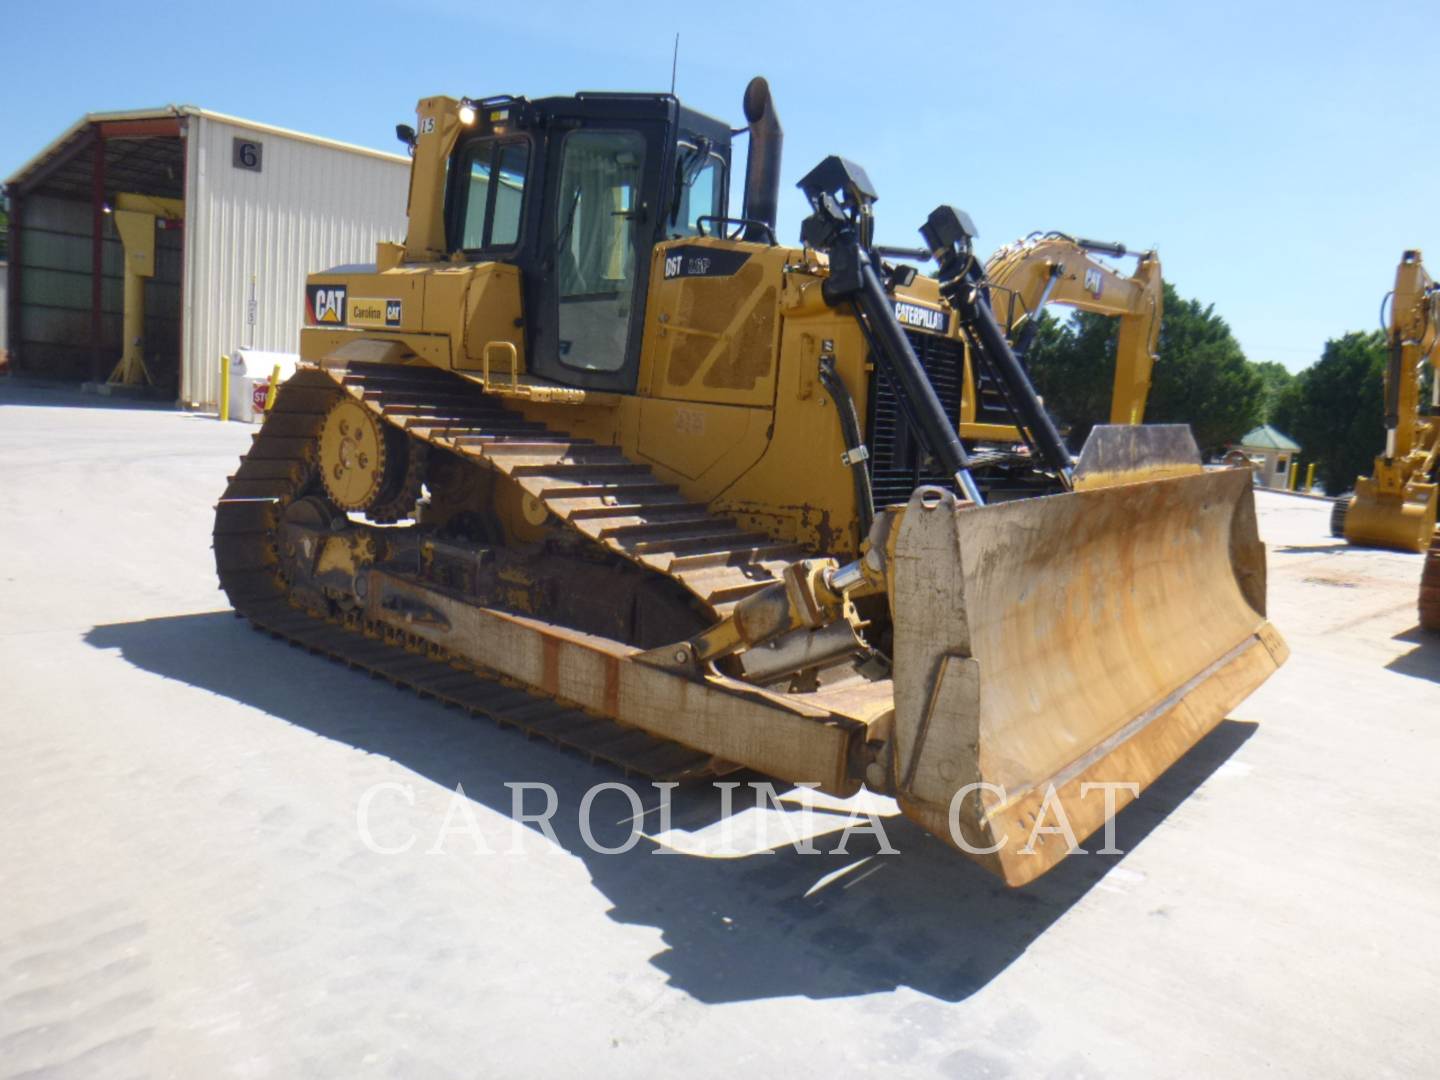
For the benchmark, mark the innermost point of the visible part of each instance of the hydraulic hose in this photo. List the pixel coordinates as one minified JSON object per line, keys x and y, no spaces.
{"x":856,"y":454}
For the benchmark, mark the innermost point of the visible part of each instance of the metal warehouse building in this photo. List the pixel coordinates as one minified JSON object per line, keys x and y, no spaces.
{"x":252,"y":210}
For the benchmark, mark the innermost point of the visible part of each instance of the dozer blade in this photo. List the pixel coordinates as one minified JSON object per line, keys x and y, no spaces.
{"x":1404,"y":520}
{"x":1047,"y":646}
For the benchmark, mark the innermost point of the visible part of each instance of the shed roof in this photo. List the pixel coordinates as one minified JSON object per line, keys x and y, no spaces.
{"x":1266,"y":437}
{"x":151,"y":169}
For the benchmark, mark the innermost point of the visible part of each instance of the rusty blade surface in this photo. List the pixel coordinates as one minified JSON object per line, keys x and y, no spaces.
{"x":1055,"y":642}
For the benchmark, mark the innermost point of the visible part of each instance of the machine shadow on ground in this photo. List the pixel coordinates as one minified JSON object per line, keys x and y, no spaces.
{"x":764,"y":925}
{"x":1334,"y":547}
{"x":1421,"y":662}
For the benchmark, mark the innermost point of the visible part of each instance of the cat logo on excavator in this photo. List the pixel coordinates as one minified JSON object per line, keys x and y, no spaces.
{"x":692,"y":520}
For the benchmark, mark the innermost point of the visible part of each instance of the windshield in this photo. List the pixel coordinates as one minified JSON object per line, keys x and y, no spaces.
{"x":493,"y":189}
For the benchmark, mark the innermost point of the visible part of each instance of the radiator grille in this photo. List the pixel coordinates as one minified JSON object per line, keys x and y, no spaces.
{"x":899,"y":462}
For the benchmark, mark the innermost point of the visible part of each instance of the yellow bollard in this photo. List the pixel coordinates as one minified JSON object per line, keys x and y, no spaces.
{"x":1310,"y":477}
{"x":274,"y":386}
{"x":224,"y":388}
{"x":1294,"y":475}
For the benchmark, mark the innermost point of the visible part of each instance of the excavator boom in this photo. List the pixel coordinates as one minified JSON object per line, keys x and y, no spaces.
{"x":1054,"y":268}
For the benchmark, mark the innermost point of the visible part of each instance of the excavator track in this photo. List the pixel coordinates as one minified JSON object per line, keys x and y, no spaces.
{"x":279,"y":468}
{"x":1339,"y":511}
{"x":1430,"y":587}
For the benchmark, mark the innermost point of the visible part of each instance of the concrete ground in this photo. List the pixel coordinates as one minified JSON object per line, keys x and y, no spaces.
{"x":186,"y":891}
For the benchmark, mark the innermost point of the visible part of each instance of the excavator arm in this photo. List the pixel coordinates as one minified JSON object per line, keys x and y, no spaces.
{"x":1053,"y":268}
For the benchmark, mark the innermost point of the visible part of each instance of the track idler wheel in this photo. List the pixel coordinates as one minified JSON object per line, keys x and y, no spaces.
{"x":368,"y":465}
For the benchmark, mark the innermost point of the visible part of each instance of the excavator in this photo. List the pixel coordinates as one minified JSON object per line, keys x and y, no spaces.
{"x":590,"y":457}
{"x":1395,"y":505}
{"x":1055,"y":268}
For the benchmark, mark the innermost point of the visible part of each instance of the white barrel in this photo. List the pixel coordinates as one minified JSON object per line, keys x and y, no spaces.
{"x":250,"y":371}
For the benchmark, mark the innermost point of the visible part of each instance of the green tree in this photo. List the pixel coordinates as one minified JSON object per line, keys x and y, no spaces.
{"x":1201,"y":377}
{"x":1072,"y":364}
{"x":1276,"y":380}
{"x":1335,"y":409}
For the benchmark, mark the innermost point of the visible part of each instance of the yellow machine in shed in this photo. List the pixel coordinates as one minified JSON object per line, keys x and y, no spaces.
{"x":588,"y":456}
{"x":136,"y":219}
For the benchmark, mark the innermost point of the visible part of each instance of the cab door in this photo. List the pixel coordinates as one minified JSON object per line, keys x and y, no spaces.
{"x":601,"y":220}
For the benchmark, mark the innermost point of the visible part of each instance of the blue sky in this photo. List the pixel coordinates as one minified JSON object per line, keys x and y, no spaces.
{"x":1278,"y":155}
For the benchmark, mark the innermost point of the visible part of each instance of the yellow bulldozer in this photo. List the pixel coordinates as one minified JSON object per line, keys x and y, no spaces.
{"x":588,"y":456}
{"x":1395,"y":505}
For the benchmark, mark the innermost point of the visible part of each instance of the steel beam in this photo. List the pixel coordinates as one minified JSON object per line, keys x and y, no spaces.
{"x":97,"y":256}
{"x":163,"y":128}
{"x":12,"y":283}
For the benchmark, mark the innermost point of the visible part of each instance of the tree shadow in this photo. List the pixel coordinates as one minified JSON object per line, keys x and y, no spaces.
{"x":1421,"y":662}
{"x":1310,"y":549}
{"x":763,"y":925}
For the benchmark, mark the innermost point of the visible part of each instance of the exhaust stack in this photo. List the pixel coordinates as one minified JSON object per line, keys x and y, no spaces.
{"x":762,"y":160}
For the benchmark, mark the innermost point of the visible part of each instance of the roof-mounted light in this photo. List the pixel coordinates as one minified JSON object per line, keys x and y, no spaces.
{"x":467,"y":112}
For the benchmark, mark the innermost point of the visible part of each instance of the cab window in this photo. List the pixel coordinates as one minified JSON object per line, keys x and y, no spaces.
{"x":492,"y":185}
{"x":700,"y":188}
{"x":597,"y":230}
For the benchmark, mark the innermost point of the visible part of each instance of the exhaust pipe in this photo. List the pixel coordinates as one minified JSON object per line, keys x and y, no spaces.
{"x":762,"y":161}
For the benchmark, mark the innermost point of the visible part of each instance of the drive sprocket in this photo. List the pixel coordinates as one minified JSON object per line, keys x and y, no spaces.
{"x":353,"y":455}
{"x":367,"y":465}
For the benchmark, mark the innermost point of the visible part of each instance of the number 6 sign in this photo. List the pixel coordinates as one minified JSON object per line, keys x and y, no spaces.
{"x":246,"y":154}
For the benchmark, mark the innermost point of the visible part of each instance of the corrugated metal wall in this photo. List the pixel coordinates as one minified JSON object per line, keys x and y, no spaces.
{"x":310,"y":207}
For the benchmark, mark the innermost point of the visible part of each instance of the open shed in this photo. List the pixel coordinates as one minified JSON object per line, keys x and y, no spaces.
{"x":262,"y":208}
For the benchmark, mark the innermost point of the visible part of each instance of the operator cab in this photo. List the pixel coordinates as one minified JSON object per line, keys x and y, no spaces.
{"x":576,"y":192}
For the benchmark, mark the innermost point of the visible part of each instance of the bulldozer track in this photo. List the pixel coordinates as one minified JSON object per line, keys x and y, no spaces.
{"x":614,"y":502}
{"x":281,"y":463}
